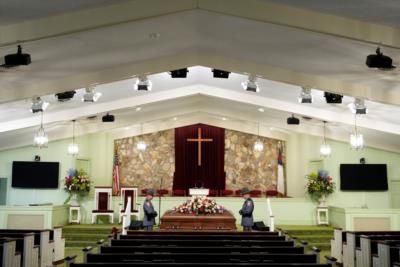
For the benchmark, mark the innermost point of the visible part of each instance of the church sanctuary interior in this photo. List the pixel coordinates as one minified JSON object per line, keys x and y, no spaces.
{"x":199,"y":133}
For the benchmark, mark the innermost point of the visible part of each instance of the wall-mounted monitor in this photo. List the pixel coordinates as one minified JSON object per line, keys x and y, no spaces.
{"x":363,"y":177}
{"x":32,"y":174}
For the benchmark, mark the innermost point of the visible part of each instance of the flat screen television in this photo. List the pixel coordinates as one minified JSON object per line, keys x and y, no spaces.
{"x":363,"y":177}
{"x":35,"y":174}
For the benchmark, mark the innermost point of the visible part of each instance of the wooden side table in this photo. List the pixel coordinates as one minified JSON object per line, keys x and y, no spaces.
{"x":322,"y":216}
{"x":77,"y":210}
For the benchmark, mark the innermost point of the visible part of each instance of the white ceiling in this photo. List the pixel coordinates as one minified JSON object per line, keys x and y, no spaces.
{"x":153,"y":37}
{"x":378,"y":11}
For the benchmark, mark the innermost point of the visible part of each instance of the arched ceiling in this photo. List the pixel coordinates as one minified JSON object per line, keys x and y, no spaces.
{"x":286,"y":44}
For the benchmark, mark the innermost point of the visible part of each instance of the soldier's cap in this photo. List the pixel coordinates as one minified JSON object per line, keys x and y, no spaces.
{"x":150,"y":192}
{"x":244,"y":191}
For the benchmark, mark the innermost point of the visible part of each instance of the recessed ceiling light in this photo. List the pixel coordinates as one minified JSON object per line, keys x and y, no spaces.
{"x":138,"y":108}
{"x":154,"y":35}
{"x":143,"y":84}
{"x":174,"y":118}
{"x":261,"y":110}
{"x":224,"y":119}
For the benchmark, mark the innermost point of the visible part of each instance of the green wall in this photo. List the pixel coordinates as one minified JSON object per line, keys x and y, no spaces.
{"x":300,"y":150}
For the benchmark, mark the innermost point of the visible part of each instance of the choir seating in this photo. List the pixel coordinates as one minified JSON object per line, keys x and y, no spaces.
{"x":179,"y":192}
{"x":102,"y":200}
{"x":127,"y":192}
{"x":213,"y":193}
{"x":255,"y":193}
{"x":162,"y":192}
{"x":226,"y":192}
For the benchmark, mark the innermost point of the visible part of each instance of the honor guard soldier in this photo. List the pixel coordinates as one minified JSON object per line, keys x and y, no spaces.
{"x":149,"y":213}
{"x":247,"y":210}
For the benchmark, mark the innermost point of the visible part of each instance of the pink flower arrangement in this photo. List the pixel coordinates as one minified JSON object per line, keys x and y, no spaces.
{"x":200,"y":205}
{"x":76,"y":182}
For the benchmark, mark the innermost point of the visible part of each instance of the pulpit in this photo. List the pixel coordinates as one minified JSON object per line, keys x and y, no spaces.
{"x":102,"y":200}
{"x":127,"y":192}
{"x":199,"y":192}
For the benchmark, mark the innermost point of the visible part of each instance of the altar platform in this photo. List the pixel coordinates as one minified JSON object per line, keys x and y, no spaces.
{"x":174,"y":220}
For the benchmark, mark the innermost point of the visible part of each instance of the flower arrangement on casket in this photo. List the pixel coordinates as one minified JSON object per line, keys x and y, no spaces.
{"x":200,"y":205}
{"x":319,"y":184}
{"x":77,"y":182}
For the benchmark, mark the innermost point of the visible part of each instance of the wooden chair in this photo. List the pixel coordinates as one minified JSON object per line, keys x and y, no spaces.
{"x":213,"y":193}
{"x":238,"y":193}
{"x":255,"y":193}
{"x":226,"y":192}
{"x":179,"y":192}
{"x":162,"y":192}
{"x":102,"y":198}
{"x":127,"y":192}
{"x":271,"y":193}
{"x":143,"y":192}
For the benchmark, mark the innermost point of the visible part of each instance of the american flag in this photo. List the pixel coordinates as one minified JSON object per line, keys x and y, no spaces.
{"x":116,"y":185}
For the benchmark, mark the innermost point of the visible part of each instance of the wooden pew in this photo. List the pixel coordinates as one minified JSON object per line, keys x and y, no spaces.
{"x":199,"y":243}
{"x":388,"y":253}
{"x":162,"y":264}
{"x":10,"y":256}
{"x":353,"y":241}
{"x":25,"y":243}
{"x":202,"y":257}
{"x":135,"y":232}
{"x":212,"y":249}
{"x":369,"y":246}
{"x":204,"y":237}
{"x":52,"y":244}
{"x":339,"y":237}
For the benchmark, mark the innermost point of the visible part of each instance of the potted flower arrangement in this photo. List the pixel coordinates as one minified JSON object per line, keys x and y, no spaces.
{"x":319,"y":186}
{"x":76,"y":183}
{"x":200,"y":205}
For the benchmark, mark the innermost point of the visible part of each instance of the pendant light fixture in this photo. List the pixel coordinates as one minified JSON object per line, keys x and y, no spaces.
{"x":258,"y":145}
{"x":356,"y":138}
{"x":325,"y":149}
{"x":41,"y":140}
{"x":73,"y":148}
{"x":141,"y":145}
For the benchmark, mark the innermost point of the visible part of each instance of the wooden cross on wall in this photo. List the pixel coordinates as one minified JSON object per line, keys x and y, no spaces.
{"x":199,"y":140}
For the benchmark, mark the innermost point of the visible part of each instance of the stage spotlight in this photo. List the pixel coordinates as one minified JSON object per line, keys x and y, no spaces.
{"x":358,"y":106}
{"x":251,"y":85}
{"x":305,"y":95}
{"x":65,"y":96}
{"x":143,"y":84}
{"x":38,"y":105}
{"x":220,"y":74}
{"x":379,"y":60}
{"x":293,"y":120}
{"x":18,"y":59}
{"x":91,"y":95}
{"x":180,"y":73}
{"x":108,"y":118}
{"x":333,"y":98}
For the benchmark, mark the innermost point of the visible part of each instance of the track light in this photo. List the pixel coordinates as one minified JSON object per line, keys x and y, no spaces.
{"x":293,"y":120}
{"x":358,"y":106}
{"x":91,"y":95}
{"x":251,"y":85}
{"x":65,"y":96}
{"x":180,"y":73}
{"x":38,"y":105}
{"x":379,"y":60}
{"x":18,"y":59}
{"x":220,"y":74}
{"x":305,"y":95}
{"x":333,"y":98}
{"x":108,"y":118}
{"x":143,"y":84}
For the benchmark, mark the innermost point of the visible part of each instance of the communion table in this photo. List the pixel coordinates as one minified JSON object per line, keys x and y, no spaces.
{"x":173,"y":220}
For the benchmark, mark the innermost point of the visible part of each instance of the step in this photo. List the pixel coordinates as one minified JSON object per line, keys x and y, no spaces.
{"x":309,"y":232}
{"x":80,"y":244}
{"x":314,"y":238}
{"x":94,"y":230}
{"x":84,"y":236}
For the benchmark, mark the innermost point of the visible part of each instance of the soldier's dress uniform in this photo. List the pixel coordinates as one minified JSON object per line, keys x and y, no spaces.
{"x":149,"y":214}
{"x":247,"y":213}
